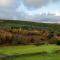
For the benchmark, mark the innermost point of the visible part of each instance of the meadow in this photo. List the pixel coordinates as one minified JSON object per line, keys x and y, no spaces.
{"x":29,"y":49}
{"x":39,"y":57}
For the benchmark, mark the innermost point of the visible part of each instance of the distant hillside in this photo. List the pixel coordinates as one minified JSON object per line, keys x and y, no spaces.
{"x":28,"y":25}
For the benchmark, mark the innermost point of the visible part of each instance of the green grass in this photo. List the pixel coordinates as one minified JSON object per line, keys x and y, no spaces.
{"x":11,"y":50}
{"x":38,"y":57}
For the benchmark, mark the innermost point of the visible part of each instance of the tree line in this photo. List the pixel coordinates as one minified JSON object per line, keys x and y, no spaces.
{"x":24,"y":36}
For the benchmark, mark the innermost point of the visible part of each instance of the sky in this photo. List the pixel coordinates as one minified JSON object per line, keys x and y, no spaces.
{"x":30,"y":10}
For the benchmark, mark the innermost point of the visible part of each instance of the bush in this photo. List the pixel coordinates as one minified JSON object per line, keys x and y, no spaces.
{"x":57,"y":51}
{"x":58,"y":42}
{"x":54,"y":41}
{"x":38,"y":44}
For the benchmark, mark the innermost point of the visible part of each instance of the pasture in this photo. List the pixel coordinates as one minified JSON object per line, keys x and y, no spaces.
{"x":29,"y":49}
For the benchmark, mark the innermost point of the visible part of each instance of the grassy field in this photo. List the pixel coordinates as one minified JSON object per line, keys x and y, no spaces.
{"x":38,"y":57}
{"x":28,"y":49}
{"x":11,"y":50}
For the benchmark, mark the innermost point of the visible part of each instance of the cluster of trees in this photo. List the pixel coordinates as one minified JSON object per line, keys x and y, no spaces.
{"x":21,"y":36}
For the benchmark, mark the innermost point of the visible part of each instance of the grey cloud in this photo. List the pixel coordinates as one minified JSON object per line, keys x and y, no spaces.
{"x":55,"y":0}
{"x":35,"y":3}
{"x":8,"y":12}
{"x":32,"y":4}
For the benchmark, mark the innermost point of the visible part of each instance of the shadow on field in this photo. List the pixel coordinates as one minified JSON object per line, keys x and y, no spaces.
{"x":6,"y":57}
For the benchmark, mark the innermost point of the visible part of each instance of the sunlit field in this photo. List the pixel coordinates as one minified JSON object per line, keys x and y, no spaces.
{"x":29,"y":49}
{"x":38,"y":57}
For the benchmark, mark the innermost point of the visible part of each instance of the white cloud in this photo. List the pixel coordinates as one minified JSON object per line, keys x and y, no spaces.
{"x":57,"y":13}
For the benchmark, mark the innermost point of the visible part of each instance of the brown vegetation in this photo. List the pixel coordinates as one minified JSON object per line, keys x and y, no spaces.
{"x":22,"y":36}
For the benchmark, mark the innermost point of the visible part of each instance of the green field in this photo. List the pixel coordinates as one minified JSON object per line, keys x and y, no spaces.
{"x":28,"y":49}
{"x":38,"y":57}
{"x":12,"y":50}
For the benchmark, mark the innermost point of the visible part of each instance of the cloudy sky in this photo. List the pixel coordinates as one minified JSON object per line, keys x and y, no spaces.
{"x":34,"y":10}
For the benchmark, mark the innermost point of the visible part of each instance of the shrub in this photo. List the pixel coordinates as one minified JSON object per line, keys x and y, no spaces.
{"x":54,"y":41}
{"x":57,"y":51}
{"x":38,"y":44}
{"x":57,"y":42}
